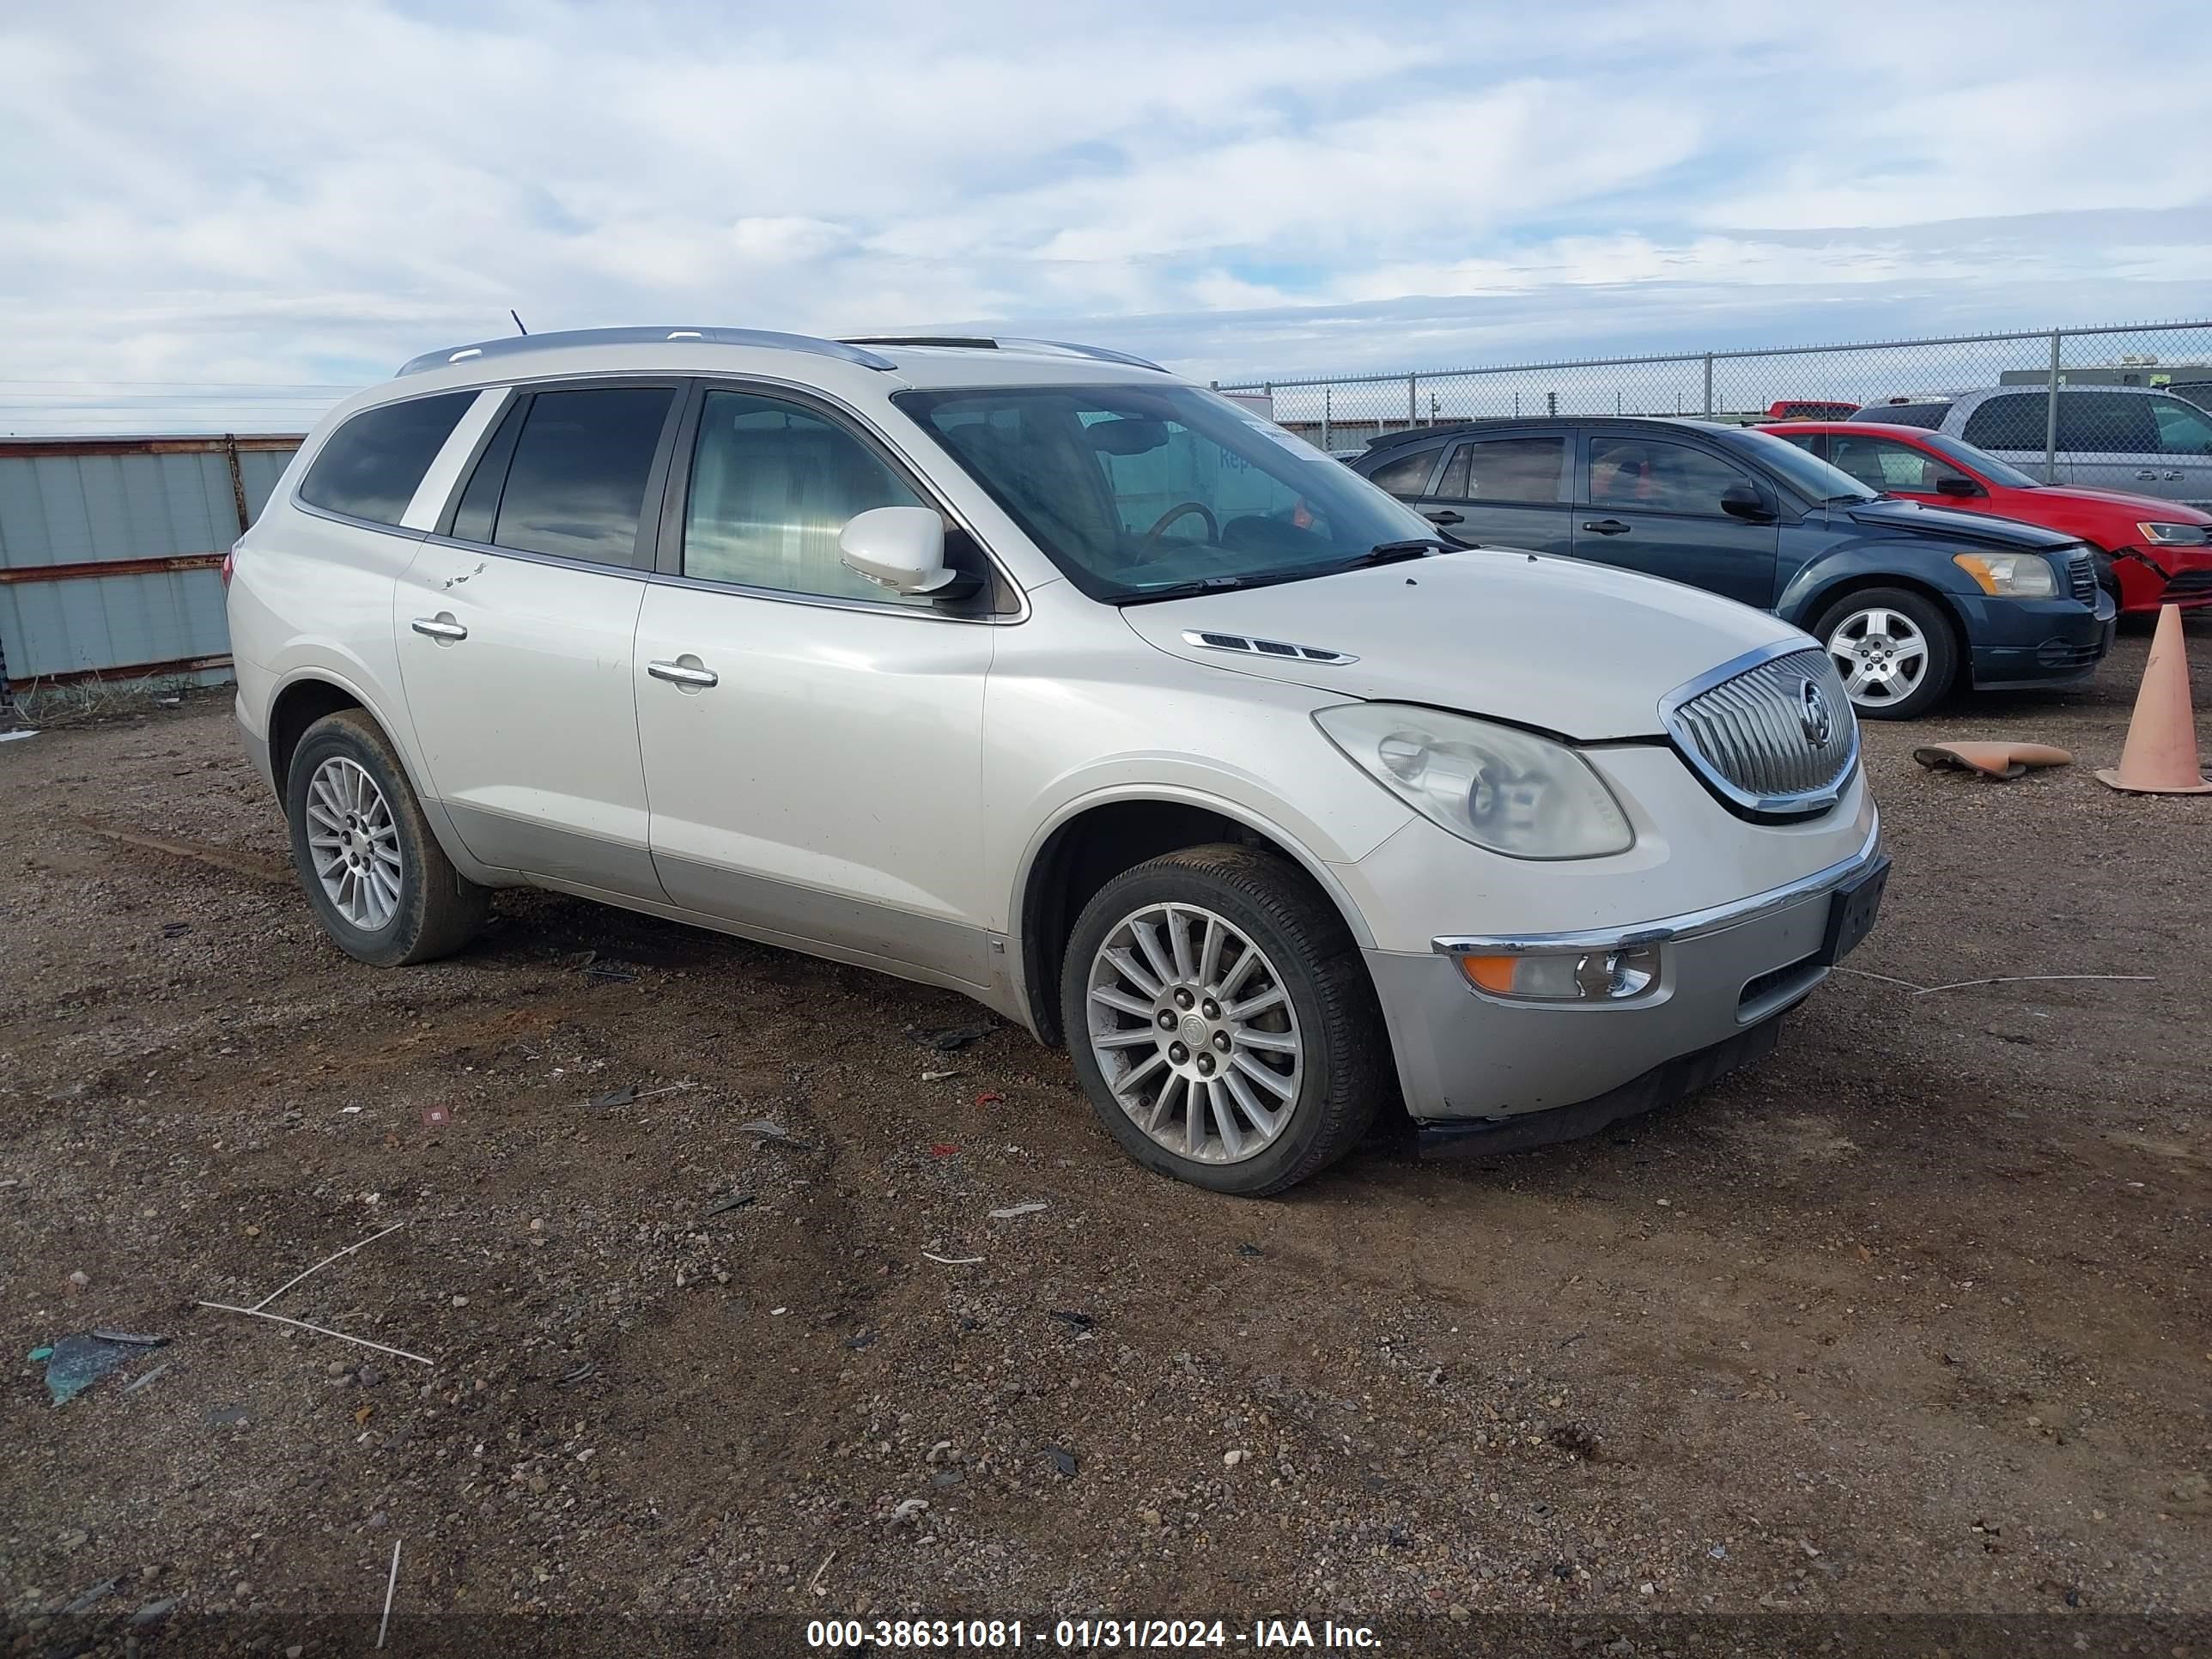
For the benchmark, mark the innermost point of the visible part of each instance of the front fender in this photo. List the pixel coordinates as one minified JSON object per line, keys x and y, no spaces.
{"x":1279,"y":820}
{"x":1864,"y":561}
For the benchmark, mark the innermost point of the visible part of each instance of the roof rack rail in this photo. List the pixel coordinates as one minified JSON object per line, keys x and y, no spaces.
{"x":973,"y":342}
{"x":1005,"y":342}
{"x":514,"y":344}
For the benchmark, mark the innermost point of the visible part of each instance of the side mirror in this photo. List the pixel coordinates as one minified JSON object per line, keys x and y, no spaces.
{"x":1957,"y":483}
{"x":1748,"y":501}
{"x":901,"y":547}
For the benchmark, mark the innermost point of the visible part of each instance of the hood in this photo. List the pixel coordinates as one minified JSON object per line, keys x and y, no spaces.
{"x":1566,"y":647}
{"x":1974,"y":529}
{"x":2152,"y":508}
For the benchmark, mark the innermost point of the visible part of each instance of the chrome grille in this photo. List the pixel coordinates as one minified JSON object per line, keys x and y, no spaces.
{"x":1751,"y":730}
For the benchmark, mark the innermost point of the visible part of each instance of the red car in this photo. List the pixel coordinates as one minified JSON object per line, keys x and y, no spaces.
{"x":2151,"y":551}
{"x":1808,"y":409}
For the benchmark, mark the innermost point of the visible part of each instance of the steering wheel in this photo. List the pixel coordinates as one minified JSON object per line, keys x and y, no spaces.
{"x":1179,"y":510}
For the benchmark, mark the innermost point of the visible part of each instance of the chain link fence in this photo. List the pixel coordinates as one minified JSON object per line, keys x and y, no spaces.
{"x":2133,"y":409}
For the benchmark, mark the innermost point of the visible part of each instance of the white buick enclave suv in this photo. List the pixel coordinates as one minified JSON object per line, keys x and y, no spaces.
{"x":1028,"y":670}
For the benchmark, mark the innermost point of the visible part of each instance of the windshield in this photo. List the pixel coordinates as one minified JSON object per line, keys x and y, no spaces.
{"x":1808,"y":475}
{"x":1133,"y":490}
{"x":2003,"y":473}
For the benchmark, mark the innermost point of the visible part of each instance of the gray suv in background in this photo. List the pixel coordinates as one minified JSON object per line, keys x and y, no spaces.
{"x":2134,"y":439}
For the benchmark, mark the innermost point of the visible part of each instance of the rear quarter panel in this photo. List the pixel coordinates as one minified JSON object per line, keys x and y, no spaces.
{"x":311,"y":597}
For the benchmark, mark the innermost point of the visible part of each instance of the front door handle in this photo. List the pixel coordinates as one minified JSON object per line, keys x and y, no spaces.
{"x":1443,"y":515}
{"x":685,"y":673}
{"x":2148,"y":472}
{"x":1606,"y":527}
{"x":442,"y":628}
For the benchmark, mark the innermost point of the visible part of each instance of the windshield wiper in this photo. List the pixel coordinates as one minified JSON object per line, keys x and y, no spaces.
{"x":1417,"y":547}
{"x":1208,"y":584}
{"x":1413,"y":547}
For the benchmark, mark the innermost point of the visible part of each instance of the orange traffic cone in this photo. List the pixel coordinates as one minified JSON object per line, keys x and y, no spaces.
{"x":2160,"y":755}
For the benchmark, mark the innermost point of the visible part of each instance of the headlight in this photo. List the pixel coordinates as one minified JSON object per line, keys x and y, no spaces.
{"x":1499,"y":787}
{"x":2009,"y":575}
{"x":2174,"y":535}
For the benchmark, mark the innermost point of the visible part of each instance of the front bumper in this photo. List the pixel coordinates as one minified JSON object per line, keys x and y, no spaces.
{"x":1668,"y":1081}
{"x":2149,"y":579}
{"x":2029,"y":642}
{"x":1467,"y":1059}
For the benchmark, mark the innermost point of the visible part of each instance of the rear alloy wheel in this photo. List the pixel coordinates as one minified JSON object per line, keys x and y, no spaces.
{"x":1221,"y":1020}
{"x":353,"y":844}
{"x":377,"y":879}
{"x":1892,"y":650}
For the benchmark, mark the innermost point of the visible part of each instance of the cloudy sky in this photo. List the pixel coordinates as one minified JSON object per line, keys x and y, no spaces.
{"x":276,"y":201}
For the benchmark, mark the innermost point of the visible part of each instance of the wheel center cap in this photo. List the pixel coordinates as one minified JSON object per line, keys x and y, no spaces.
{"x":1193,"y":1031}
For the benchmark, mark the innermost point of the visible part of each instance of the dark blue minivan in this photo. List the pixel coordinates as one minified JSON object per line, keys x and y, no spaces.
{"x":1910,"y":600}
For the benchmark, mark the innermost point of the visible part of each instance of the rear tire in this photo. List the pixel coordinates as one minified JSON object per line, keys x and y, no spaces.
{"x":1899,"y":647}
{"x":374,"y":875}
{"x":1273,"y":1058}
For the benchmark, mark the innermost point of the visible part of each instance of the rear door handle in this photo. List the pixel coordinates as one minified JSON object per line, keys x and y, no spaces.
{"x":441,"y":626}
{"x":1443,"y":515}
{"x":2149,"y":472}
{"x":1606,"y":527}
{"x":689,"y":676}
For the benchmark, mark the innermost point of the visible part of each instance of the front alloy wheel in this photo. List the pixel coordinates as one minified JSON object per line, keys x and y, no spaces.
{"x":1894,"y":650}
{"x":1191,"y":1028}
{"x":1221,"y":1022}
{"x":1881,"y":655}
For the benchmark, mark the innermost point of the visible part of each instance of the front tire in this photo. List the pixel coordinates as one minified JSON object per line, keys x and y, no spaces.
{"x":374,"y":875}
{"x":1221,"y":1022}
{"x":1893,"y":649}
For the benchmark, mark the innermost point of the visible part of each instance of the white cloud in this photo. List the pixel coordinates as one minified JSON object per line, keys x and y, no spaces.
{"x":258,"y":191}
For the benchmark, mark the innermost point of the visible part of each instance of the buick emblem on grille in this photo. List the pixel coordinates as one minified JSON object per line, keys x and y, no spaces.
{"x":1813,"y":714}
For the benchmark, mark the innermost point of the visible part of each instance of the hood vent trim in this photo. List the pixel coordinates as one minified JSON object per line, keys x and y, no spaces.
{"x":1207,"y":639}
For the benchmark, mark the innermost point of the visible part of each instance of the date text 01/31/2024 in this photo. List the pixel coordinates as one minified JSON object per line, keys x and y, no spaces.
{"x":1085,"y":1634}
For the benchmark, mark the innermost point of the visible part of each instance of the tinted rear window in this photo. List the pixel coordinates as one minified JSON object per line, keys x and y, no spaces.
{"x":576,"y":487}
{"x":1510,"y":470}
{"x":2094,"y":421}
{"x":1409,"y":475}
{"x":1923,"y":414}
{"x":371,"y":466}
{"x":2016,"y":421}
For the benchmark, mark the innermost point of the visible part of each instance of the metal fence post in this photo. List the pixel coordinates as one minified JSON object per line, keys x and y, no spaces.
{"x":1327,"y":402}
{"x":1413,"y":403}
{"x":1709,"y":385}
{"x":2051,"y":414}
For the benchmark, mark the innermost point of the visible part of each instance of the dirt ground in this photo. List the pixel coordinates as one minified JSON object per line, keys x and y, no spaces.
{"x":1910,"y":1318}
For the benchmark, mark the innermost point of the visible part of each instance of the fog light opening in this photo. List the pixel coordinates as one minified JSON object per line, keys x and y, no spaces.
{"x":1564,"y":975}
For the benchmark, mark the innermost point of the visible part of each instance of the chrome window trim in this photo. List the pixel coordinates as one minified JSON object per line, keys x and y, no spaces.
{"x":1809,"y":804}
{"x":1690,"y":925}
{"x":698,"y":584}
{"x":519,"y":385}
{"x":293,"y":501}
{"x":832,"y":602}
